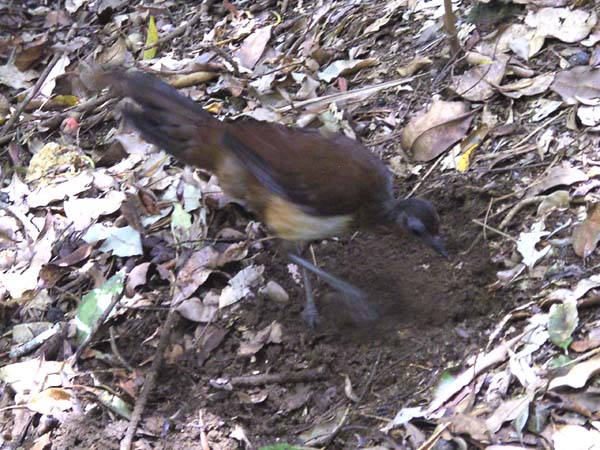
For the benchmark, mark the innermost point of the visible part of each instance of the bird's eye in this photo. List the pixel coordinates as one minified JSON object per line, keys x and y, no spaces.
{"x":416,"y":226}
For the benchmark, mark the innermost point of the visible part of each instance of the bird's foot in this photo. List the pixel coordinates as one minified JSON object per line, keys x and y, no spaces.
{"x":359,"y":307}
{"x":310,"y":316}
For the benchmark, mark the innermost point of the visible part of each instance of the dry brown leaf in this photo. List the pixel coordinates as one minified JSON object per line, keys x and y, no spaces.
{"x":562,"y":23}
{"x":430,"y":134}
{"x":195,"y":272}
{"x":253,"y":47}
{"x":587,"y":235}
{"x":577,"y":85}
{"x":507,"y":411}
{"x":528,"y":86}
{"x":578,"y":375}
{"x":416,"y":64}
{"x":471,"y":425}
{"x":136,"y":278}
{"x":558,"y":176}
{"x":591,"y":342}
{"x":479,"y":83}
{"x":253,"y":342}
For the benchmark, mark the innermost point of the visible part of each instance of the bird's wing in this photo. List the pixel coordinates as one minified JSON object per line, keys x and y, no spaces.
{"x":325,"y":174}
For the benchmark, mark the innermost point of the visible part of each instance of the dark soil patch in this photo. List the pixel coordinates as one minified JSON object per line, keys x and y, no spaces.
{"x":431,"y":312}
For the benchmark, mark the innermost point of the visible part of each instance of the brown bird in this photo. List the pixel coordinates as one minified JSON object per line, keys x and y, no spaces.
{"x":305,"y":184}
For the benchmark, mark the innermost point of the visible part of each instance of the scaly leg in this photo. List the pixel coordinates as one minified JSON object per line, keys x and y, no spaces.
{"x":353,"y":296}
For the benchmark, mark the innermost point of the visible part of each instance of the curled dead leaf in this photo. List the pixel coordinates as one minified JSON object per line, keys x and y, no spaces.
{"x":430,"y":134}
{"x":587,"y":235}
{"x":479,"y":83}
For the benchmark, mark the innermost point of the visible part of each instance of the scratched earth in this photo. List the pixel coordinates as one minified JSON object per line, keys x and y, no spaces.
{"x":431,"y":314}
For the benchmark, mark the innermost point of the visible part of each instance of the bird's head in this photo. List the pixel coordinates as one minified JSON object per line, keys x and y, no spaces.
{"x":420,"y":218}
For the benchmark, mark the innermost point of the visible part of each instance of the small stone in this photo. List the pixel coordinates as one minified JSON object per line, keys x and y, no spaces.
{"x":274,"y":291}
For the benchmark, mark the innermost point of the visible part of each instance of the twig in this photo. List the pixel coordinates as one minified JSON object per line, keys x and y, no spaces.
{"x":424,"y":177}
{"x":203,"y":439}
{"x":450,"y":27}
{"x":149,"y":383}
{"x":519,"y":147}
{"x":34,"y":343}
{"x":515,"y":209}
{"x":429,"y":443}
{"x":32,"y":93}
{"x":370,"y":379}
{"x":115,"y":299}
{"x":495,"y":230}
{"x":278,"y":378}
{"x":116,"y":352}
{"x":363,"y":91}
{"x":6,"y":138}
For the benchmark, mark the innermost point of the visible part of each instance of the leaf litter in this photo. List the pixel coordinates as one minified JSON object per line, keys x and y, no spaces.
{"x":94,"y":201}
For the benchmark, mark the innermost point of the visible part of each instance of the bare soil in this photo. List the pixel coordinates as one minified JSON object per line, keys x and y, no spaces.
{"x":431,"y":313}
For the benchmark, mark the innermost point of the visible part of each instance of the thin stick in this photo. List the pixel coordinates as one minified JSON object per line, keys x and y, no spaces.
{"x":515,"y":209}
{"x":150,"y":381}
{"x":418,"y":185}
{"x":34,"y":91}
{"x":495,"y":230}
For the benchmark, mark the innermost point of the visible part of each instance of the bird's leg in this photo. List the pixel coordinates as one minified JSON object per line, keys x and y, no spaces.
{"x":309,"y":314}
{"x":360,"y":309}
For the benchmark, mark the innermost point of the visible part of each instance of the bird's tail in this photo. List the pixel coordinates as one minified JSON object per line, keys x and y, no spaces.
{"x":167,"y":118}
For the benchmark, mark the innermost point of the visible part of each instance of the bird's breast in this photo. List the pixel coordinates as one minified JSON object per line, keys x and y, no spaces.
{"x":290,"y":222}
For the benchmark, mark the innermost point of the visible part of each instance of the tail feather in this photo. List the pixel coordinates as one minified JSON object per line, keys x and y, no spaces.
{"x":153,"y":94}
{"x":167,"y":118}
{"x":155,"y":133}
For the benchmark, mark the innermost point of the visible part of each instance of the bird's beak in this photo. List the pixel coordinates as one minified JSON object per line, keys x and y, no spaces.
{"x":437,"y":244}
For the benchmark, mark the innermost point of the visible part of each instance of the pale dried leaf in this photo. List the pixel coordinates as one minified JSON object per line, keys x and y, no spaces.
{"x":51,"y":401}
{"x":587,"y":235}
{"x":527,"y":242}
{"x":563,"y":175}
{"x":254,"y":342}
{"x":125,"y":241}
{"x":240,"y":285}
{"x":435,"y":131}
{"x":344,"y":67}
{"x":575,"y":437}
{"x":528,"y":86}
{"x":562,"y":23}
{"x":12,"y":77}
{"x":253,"y":47}
{"x":193,"y":309}
{"x":577,"y":84}
{"x":507,"y":411}
{"x":195,"y":272}
{"x":556,"y":200}
{"x":578,"y":375}
{"x":479,"y":83}
{"x":84,"y":211}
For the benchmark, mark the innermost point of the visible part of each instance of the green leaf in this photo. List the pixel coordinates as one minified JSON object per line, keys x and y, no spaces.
{"x":94,"y":303}
{"x":151,"y":38}
{"x":562,"y":321}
